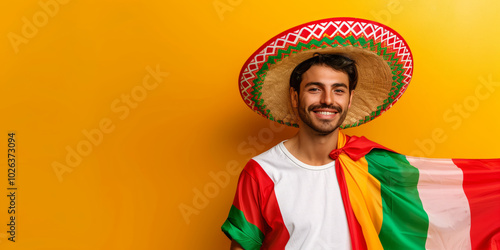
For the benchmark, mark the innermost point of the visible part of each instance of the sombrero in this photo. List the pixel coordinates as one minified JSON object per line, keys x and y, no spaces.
{"x":383,"y":59}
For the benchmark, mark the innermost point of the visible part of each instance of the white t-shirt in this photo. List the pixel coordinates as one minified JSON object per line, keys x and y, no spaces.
{"x":308,"y":199}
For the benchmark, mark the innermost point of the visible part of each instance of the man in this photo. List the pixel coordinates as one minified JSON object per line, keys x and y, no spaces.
{"x":321,"y":92}
{"x":322,"y":189}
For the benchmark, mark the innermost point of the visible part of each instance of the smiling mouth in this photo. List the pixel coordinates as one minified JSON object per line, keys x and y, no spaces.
{"x":326,"y":112}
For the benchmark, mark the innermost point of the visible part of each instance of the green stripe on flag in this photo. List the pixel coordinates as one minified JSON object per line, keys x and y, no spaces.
{"x":238,"y":228}
{"x":405,"y":223}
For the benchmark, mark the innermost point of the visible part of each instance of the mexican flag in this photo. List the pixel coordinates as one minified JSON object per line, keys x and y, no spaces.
{"x":395,"y":201}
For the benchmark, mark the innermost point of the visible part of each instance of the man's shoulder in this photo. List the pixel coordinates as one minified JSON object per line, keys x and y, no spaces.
{"x":267,"y":158}
{"x":273,"y":154}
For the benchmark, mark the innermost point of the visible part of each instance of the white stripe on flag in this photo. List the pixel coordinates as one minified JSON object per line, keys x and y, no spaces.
{"x":441,"y":191}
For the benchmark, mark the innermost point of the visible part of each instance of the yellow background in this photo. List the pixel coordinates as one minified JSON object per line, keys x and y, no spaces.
{"x":83,"y":57}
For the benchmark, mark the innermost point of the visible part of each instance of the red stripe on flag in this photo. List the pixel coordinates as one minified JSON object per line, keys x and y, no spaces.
{"x":261,"y":206}
{"x":482,"y":188}
{"x":247,"y":200}
{"x":278,"y":236}
{"x":357,"y":239}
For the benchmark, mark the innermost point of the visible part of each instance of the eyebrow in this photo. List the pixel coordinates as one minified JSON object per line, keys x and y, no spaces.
{"x":335,"y":85}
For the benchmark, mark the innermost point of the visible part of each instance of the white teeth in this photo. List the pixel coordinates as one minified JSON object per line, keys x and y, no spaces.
{"x":326,"y":113}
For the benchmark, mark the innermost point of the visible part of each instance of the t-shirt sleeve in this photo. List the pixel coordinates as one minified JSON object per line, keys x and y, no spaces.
{"x":245,"y":223}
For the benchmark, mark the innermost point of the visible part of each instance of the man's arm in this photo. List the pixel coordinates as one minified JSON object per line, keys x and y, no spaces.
{"x":245,"y":217}
{"x":235,"y":246}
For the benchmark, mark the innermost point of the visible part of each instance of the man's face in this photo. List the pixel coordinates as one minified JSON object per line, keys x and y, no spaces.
{"x":324,"y":98}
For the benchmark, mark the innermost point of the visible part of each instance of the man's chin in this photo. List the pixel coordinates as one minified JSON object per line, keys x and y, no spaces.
{"x":324,"y":130}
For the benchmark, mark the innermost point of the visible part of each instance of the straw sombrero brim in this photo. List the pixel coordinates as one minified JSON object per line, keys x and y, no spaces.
{"x":383,"y":60}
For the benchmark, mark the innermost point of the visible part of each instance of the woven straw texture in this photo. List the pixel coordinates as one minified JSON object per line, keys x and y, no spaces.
{"x":382,"y":56}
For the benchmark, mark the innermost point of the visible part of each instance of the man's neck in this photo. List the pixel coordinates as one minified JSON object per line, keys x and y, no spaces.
{"x":311,"y":147}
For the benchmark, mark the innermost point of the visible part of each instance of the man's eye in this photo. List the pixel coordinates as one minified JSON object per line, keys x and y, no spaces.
{"x":339,"y":91}
{"x":314,"y":89}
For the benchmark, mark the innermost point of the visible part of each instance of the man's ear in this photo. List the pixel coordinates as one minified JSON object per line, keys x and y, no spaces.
{"x":294,"y":98}
{"x":350,"y":98}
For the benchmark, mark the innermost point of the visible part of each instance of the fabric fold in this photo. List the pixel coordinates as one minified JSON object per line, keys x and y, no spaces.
{"x":404,"y":202}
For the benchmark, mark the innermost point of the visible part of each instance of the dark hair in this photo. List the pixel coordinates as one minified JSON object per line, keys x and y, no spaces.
{"x":335,"y":61}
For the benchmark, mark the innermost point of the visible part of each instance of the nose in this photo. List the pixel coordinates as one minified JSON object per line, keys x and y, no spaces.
{"x":327,"y":98}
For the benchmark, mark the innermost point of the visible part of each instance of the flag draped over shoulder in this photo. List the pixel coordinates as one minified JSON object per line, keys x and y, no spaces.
{"x":395,"y":201}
